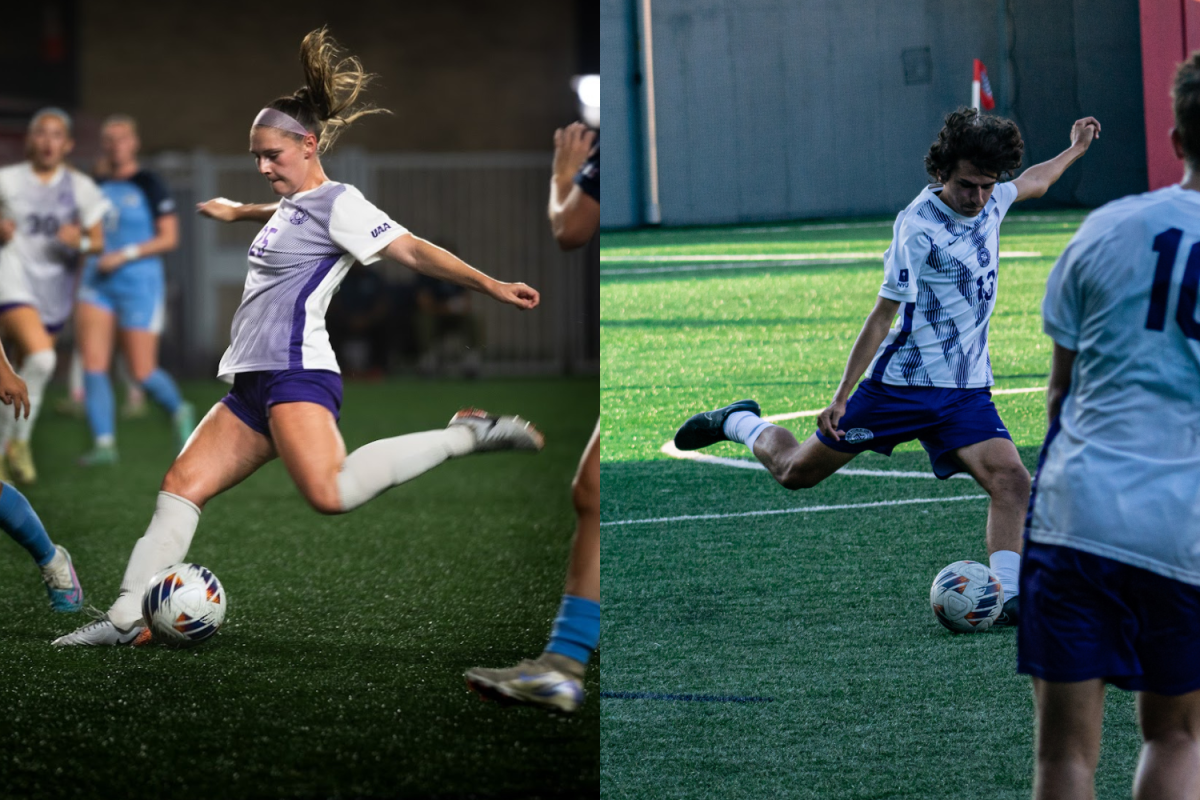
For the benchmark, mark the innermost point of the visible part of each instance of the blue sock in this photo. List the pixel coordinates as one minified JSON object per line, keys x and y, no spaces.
{"x":101,"y":410}
{"x":164,"y":391}
{"x":576,"y":630}
{"x":20,"y":521}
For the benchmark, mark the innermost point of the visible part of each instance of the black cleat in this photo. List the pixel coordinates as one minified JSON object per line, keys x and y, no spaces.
{"x":708,"y":428}
{"x":1010,"y":614}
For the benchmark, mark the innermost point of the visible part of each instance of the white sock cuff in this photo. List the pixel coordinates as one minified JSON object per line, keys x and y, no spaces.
{"x":166,"y":498}
{"x":757,"y":432}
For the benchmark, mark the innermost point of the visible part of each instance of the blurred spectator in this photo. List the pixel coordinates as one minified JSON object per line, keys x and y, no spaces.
{"x":358,"y":323}
{"x":448,"y":334}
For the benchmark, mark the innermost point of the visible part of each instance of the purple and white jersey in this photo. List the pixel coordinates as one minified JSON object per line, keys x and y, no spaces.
{"x":35,"y":268}
{"x":297,"y":262}
{"x":943,"y":268}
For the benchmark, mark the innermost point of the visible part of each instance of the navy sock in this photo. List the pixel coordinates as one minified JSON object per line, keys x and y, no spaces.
{"x":576,"y":630}
{"x":20,"y":521}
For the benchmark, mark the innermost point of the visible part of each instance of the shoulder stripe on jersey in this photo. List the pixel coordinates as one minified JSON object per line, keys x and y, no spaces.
{"x":905,"y":330}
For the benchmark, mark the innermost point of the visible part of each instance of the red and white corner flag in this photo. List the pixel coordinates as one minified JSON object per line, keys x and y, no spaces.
{"x":981,"y":89}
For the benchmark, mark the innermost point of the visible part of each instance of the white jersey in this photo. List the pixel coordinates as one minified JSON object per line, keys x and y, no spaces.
{"x":297,"y":262}
{"x":943,"y":268}
{"x":1120,"y":476}
{"x":35,"y":268}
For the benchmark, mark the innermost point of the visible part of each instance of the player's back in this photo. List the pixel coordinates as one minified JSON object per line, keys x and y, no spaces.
{"x":1121,"y":470}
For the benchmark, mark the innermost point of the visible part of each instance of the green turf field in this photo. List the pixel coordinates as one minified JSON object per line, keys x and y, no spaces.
{"x":338,"y":672}
{"x":814,"y":627}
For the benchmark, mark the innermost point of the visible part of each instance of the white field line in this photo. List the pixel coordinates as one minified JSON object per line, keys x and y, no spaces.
{"x":671,"y":450}
{"x":841,"y":226}
{"x":758,"y":262}
{"x":652,"y":259}
{"x":801,"y":510}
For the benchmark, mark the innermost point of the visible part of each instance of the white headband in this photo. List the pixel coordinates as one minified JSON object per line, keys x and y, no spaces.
{"x":272,"y":118}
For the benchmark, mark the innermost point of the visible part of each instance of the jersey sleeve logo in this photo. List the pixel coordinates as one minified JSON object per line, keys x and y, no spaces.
{"x":902,"y":281}
{"x":387,"y":226}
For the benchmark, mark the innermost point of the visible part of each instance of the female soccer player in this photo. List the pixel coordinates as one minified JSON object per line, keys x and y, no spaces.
{"x":123,"y":291}
{"x":287,"y":390}
{"x":50,"y":215}
{"x":20,"y":521}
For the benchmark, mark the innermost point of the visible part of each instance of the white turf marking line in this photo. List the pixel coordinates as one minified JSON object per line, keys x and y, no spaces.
{"x":813,"y":260}
{"x":651,"y":259}
{"x":671,"y":450}
{"x":801,"y":510}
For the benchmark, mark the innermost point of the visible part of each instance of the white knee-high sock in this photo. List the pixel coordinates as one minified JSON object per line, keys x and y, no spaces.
{"x":1007,"y":566}
{"x":378,"y":466}
{"x":37,"y":371}
{"x":165,"y":542}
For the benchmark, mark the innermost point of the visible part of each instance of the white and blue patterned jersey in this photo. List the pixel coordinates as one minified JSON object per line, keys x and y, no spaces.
{"x":943,"y":268}
{"x":1120,"y":475}
{"x":297,"y":262}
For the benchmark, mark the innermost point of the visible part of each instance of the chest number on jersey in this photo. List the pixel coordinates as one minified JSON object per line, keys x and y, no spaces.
{"x":986,"y":284}
{"x":1166,"y":244}
{"x":43,"y":226}
{"x":260,"y":245}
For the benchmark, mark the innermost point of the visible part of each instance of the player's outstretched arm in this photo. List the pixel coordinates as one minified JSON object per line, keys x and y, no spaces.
{"x":429,"y":259}
{"x":1037,"y":180}
{"x":1060,"y":380}
{"x":574,"y":215}
{"x":224,"y":210}
{"x":873,"y":332}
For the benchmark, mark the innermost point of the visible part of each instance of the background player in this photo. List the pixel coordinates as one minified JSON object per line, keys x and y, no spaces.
{"x":50,"y":215}
{"x":21,"y":522}
{"x":555,"y":678}
{"x":929,"y":376}
{"x":287,"y":390}
{"x":123,"y":291}
{"x":1111,"y":577}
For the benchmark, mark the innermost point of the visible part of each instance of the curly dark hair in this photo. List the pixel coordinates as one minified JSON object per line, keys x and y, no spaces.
{"x":1185,"y":97}
{"x":992,"y":144}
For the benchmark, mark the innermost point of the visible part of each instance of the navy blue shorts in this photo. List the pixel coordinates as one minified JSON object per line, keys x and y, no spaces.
{"x":1084,"y":616}
{"x":880,"y":416}
{"x":254,"y":393}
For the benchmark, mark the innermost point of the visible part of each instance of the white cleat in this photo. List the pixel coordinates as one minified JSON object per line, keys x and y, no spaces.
{"x":540,"y":682}
{"x":498,"y":433}
{"x":103,"y":633}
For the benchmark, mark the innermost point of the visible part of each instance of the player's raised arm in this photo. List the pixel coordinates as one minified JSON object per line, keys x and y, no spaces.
{"x":429,"y":259}
{"x":1037,"y":180}
{"x":225,"y":210}
{"x":574,"y":208}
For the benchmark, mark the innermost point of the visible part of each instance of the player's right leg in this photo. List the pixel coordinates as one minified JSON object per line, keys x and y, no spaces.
{"x":1169,"y":767}
{"x":794,"y":464}
{"x":223,"y":452}
{"x":23,"y":325}
{"x":95,"y":325}
{"x":1068,"y":718}
{"x":555,"y":679}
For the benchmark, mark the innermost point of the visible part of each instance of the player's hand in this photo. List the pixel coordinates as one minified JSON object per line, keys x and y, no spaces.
{"x":13,"y":393}
{"x":70,"y":235}
{"x":572,"y":146}
{"x":8,"y":229}
{"x":827,"y":420}
{"x":1084,"y":132}
{"x":516,"y":294}
{"x":219,"y":209}
{"x":110,"y":262}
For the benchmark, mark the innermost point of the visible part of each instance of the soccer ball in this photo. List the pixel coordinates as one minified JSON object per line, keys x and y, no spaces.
{"x":184,"y":604}
{"x":966,"y":597}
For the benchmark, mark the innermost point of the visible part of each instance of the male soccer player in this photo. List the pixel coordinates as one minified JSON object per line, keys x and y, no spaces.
{"x":1112,"y":561}
{"x":928,"y":378}
{"x":554,"y":679}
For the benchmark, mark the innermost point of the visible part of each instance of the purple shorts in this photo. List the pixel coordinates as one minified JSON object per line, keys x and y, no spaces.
{"x":254,"y":393}
{"x":1084,"y":616}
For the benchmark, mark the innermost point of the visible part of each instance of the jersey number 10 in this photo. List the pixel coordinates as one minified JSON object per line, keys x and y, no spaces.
{"x":1166,"y":244}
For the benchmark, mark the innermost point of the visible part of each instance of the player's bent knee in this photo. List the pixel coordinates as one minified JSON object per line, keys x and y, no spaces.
{"x":800,"y":478}
{"x":325,"y":498}
{"x":186,"y":483}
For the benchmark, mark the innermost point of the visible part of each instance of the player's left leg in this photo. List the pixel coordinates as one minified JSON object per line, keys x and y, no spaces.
{"x":996,"y":465}
{"x":95,"y":325}
{"x":23,"y":325}
{"x":21,"y":522}
{"x":1067,"y":721}
{"x":555,"y":679}
{"x":140,"y":348}
{"x":1169,"y":766}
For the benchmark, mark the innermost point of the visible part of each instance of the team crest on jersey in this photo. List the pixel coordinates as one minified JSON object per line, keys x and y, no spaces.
{"x":299,"y":217}
{"x":856,"y":435}
{"x":985,"y":257}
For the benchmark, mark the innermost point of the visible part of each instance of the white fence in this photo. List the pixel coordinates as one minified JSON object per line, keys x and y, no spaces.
{"x":489,"y":209}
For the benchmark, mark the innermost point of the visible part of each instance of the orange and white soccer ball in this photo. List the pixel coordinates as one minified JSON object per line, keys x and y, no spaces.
{"x":966,"y":597}
{"x":184,"y":605}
